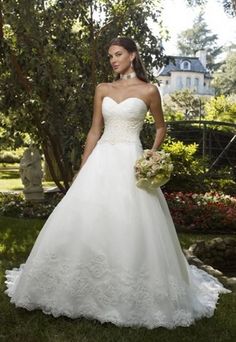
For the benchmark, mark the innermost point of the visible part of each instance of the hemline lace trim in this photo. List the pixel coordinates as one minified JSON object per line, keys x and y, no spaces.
{"x":92,"y":290}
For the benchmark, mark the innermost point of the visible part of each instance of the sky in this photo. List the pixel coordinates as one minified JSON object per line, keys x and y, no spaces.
{"x":178,"y":17}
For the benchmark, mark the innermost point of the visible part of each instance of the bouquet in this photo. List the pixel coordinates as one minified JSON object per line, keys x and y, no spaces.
{"x":153,"y":169}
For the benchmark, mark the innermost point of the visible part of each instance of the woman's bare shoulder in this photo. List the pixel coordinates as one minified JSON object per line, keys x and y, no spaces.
{"x":152,"y":89}
{"x":103,"y":87}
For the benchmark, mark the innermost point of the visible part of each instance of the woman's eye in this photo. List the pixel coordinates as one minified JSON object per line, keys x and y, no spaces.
{"x":117,"y":55}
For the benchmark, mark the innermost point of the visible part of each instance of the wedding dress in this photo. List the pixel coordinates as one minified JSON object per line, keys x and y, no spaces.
{"x":109,"y":250}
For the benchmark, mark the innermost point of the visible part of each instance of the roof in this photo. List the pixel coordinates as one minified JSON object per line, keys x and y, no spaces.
{"x":195,"y":65}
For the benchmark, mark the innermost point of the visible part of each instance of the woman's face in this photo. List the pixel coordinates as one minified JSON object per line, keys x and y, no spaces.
{"x":120,"y":59}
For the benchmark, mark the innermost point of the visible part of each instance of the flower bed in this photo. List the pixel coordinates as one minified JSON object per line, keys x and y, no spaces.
{"x":209,"y":212}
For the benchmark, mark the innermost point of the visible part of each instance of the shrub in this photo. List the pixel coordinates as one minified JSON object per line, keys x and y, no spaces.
{"x":11,"y":156}
{"x":227,"y":186}
{"x":8,"y":157}
{"x":15,"y":205}
{"x":209,"y":212}
{"x":188,"y":169}
{"x":221,"y":108}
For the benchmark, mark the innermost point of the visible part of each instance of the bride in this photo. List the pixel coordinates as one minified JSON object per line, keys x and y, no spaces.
{"x":109,"y":250}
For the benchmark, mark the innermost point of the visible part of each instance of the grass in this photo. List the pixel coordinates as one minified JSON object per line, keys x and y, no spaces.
{"x":17,"y":237}
{"x":10,"y":178}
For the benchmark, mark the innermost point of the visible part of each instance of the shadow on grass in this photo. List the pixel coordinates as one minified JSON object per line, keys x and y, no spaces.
{"x":17,"y":237}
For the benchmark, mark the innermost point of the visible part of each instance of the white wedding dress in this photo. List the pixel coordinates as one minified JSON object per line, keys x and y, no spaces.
{"x":109,"y":250}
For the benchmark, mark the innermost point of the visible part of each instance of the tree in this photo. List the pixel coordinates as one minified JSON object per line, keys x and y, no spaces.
{"x":36,"y":70}
{"x":52,"y":56}
{"x":192,"y":106}
{"x":225,"y":78}
{"x":199,"y":37}
{"x":221,"y":108}
{"x":229,"y":5}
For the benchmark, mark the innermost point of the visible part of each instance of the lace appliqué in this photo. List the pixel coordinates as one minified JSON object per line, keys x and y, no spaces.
{"x":121,"y":130}
{"x":92,"y":289}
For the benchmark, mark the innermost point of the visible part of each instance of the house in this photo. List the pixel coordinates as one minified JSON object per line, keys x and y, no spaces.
{"x":186,"y":73}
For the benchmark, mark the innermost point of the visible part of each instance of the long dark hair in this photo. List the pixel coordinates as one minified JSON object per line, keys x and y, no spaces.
{"x":130,"y":45}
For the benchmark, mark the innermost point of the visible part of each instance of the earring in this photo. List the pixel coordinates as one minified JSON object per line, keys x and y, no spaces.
{"x":131,"y":64}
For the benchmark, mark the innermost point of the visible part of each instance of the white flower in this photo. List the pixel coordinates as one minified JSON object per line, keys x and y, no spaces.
{"x":153,"y":169}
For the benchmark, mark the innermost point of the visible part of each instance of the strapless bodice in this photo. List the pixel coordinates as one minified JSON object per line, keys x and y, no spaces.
{"x":123,"y":121}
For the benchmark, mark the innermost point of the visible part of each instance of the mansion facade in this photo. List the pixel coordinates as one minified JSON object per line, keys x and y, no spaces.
{"x":186,"y":73}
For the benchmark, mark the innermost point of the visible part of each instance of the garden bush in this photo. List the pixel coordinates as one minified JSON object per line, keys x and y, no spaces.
{"x":188,"y":170}
{"x":14,"y":205}
{"x":209,"y":212}
{"x":222,"y":180}
{"x":227,"y":186}
{"x":11,"y":156}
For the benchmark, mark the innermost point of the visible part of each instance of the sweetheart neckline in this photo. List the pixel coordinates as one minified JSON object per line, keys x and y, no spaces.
{"x":128,"y":98}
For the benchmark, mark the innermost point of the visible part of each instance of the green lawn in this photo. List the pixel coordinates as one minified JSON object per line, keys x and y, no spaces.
{"x":10,"y":178}
{"x":18,"y":325}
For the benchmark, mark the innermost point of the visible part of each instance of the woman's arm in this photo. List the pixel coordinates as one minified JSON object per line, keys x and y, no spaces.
{"x":157,"y":113}
{"x":96,"y":126}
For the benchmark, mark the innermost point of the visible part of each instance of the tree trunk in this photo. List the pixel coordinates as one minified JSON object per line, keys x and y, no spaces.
{"x":58,"y":163}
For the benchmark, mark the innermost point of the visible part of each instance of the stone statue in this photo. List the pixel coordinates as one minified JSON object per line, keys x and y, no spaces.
{"x":31,"y":174}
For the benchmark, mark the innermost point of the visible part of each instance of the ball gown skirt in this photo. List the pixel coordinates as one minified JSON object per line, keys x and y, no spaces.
{"x":109,"y":250}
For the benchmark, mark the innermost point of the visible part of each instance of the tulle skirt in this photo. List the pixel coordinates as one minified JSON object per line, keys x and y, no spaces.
{"x":109,"y":251}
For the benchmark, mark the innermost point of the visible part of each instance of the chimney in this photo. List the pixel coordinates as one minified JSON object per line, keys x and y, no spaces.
{"x":201,"y":54}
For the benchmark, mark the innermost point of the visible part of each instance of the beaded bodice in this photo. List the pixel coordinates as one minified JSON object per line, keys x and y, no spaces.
{"x":123,"y":121}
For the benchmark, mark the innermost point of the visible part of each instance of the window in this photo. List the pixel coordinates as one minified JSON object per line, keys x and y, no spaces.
{"x":196,"y":82}
{"x":167,"y":82}
{"x":188,"y":82}
{"x":179,"y":83}
{"x":185,"y":65}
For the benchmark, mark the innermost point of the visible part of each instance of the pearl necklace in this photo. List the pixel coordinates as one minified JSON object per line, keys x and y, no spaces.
{"x":128,"y":76}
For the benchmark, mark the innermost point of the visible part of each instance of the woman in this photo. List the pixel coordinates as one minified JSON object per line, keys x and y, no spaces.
{"x":109,"y":250}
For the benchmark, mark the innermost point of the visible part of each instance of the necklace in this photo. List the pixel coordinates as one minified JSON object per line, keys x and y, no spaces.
{"x":128,"y":76}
